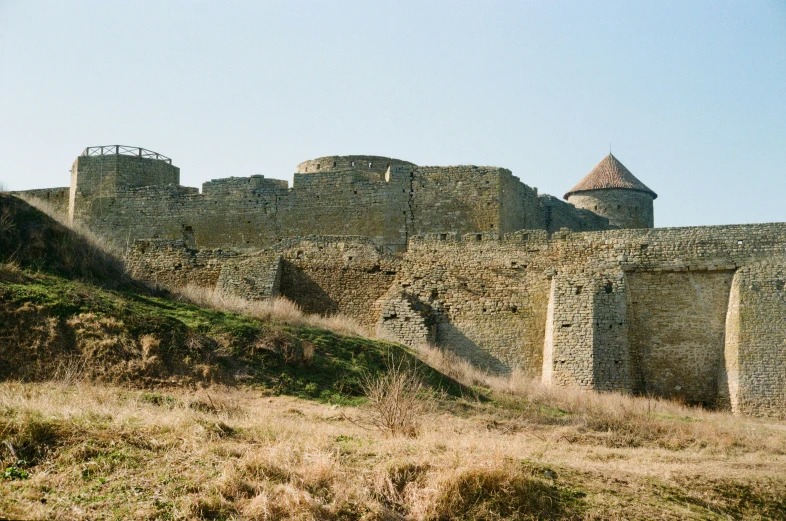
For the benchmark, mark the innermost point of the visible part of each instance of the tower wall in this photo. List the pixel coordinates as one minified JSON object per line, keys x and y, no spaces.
{"x":360,"y":164}
{"x":623,"y":208}
{"x":95,"y":179}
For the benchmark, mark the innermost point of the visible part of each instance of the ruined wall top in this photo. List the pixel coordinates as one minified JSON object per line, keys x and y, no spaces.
{"x":376,"y":164}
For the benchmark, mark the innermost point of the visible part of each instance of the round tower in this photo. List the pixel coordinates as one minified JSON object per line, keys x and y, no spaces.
{"x":612,"y":191}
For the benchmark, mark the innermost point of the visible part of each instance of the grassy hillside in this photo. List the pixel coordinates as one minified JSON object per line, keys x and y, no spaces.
{"x":121,"y":402}
{"x":66,"y":306}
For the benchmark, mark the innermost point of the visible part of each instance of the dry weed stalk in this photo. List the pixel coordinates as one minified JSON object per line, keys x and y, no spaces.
{"x":395,"y":404}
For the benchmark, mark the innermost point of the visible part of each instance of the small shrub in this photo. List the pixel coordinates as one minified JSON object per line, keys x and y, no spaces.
{"x":15,"y":472}
{"x":394,"y":402}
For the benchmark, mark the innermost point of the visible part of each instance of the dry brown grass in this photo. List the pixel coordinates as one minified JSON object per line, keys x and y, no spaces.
{"x":95,"y":451}
{"x":610,"y":418}
{"x":278,"y":310}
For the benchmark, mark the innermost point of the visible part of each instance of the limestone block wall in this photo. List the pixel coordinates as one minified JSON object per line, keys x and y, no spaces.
{"x":623,"y":208}
{"x":691,"y":313}
{"x":753,"y":380}
{"x":459,"y":199}
{"x":489,"y":298}
{"x":172,"y":264}
{"x":254,"y":276}
{"x":519,"y":205}
{"x":586,"y":343}
{"x":329,"y":275}
{"x":56,"y":198}
{"x":649,"y":315}
{"x":148,"y":212}
{"x":123,"y":198}
{"x":677,"y":327}
{"x":557,"y":214}
{"x":347,"y":203}
{"x":406,"y":319}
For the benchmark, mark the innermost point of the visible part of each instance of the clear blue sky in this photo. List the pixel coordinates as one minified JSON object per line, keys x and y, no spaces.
{"x":691,"y":95}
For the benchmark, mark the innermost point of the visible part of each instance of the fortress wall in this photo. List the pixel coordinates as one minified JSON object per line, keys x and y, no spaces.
{"x":232,"y":186}
{"x":677,"y":326}
{"x":472,"y":286}
{"x":56,"y":198}
{"x":519,"y":207}
{"x":241,"y":217}
{"x":255,"y":276}
{"x":329,"y":275}
{"x":557,"y":214}
{"x":171,"y":263}
{"x":137,"y":213}
{"x":754,"y":380}
{"x":630,"y":310}
{"x":386,"y":204}
{"x":347,"y":203}
{"x":457,"y":198}
{"x":489,"y":298}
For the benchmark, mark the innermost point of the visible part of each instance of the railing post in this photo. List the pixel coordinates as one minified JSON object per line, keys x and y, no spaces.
{"x":117,"y":150}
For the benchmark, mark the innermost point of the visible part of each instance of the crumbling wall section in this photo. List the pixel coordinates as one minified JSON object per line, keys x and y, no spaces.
{"x":255,"y":276}
{"x":173,"y":264}
{"x":406,"y":319}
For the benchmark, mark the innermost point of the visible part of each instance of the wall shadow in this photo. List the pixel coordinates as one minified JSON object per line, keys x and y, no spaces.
{"x":299,"y":287}
{"x":451,"y":338}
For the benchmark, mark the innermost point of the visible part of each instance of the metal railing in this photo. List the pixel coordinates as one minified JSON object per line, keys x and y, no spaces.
{"x":112,"y":150}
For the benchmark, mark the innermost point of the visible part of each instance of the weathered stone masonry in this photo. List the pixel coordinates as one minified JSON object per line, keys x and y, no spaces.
{"x":127,"y":197}
{"x":476,"y":262}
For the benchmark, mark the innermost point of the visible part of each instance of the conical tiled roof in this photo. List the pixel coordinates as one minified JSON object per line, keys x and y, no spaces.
{"x":610,"y":173}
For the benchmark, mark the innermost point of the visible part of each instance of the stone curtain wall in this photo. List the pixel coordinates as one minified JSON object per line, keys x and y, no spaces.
{"x":123,"y":198}
{"x":557,"y":214}
{"x":489,"y":298}
{"x":348,"y":203}
{"x":677,"y":325}
{"x":56,"y":198}
{"x":457,"y":199}
{"x":634,"y":310}
{"x":694,"y":313}
{"x":329,"y":275}
{"x":173,"y":264}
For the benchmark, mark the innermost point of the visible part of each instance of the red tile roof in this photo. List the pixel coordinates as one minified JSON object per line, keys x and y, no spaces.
{"x":610,"y":173}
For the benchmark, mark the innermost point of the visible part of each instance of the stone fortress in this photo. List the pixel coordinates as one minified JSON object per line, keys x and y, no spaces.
{"x":585,"y":292}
